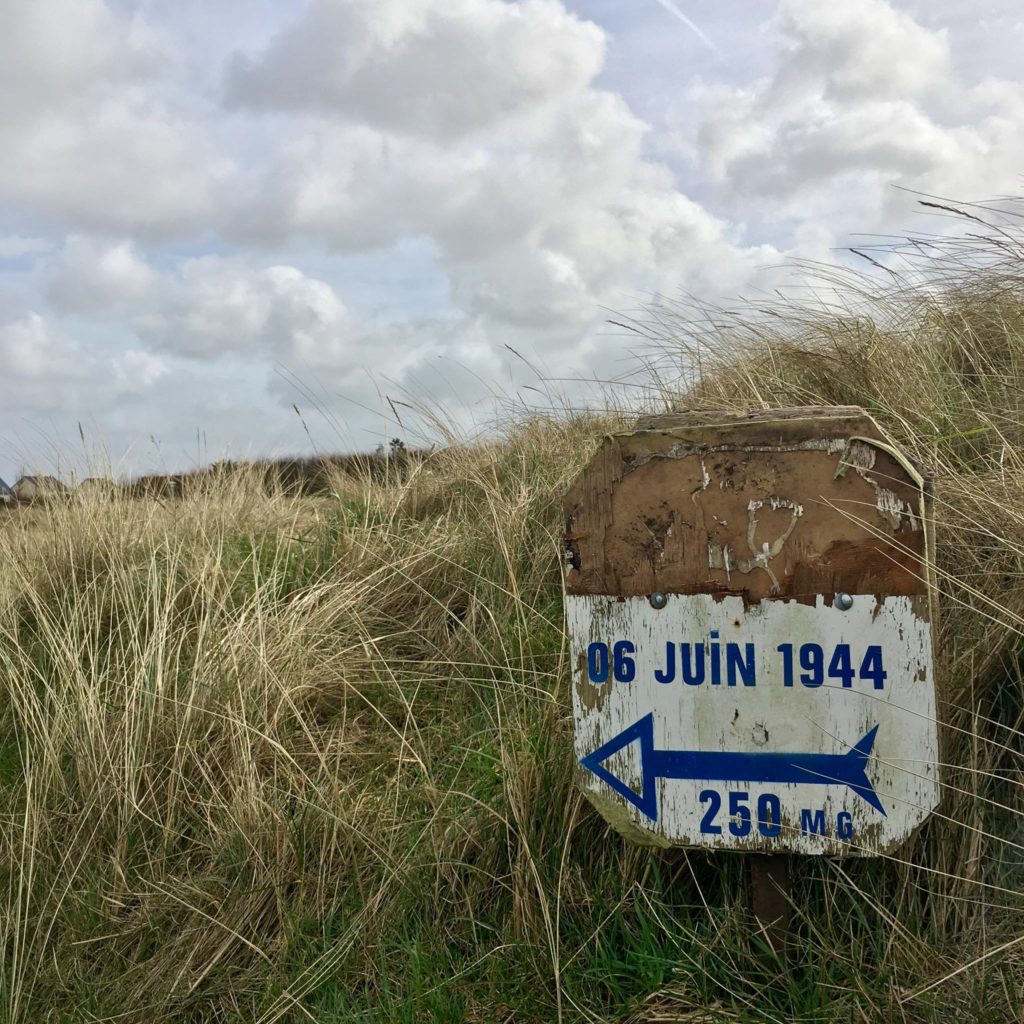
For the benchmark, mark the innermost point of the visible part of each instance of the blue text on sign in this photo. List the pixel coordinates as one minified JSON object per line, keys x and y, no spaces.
{"x":736,"y":664}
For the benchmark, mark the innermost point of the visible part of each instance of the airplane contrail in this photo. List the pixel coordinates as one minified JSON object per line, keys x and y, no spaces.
{"x":690,"y":24}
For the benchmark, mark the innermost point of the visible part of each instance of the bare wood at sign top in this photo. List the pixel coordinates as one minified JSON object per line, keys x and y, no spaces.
{"x":785,"y":504}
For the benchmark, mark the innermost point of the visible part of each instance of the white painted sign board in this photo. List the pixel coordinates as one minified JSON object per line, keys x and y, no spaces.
{"x":750,"y":625}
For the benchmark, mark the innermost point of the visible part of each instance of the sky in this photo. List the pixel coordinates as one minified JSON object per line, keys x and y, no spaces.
{"x":258,"y":227}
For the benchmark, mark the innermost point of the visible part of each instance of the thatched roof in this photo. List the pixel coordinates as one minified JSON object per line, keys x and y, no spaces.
{"x":33,"y":488}
{"x":97,"y":483}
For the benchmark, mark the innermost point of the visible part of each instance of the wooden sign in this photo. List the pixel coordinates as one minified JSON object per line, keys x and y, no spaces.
{"x":749,"y":608}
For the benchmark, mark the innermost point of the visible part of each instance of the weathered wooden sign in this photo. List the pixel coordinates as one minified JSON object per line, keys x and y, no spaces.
{"x":748,"y":602}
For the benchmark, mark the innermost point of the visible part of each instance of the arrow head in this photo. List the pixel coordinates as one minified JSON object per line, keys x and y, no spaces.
{"x":857,"y":780}
{"x":641,"y":731}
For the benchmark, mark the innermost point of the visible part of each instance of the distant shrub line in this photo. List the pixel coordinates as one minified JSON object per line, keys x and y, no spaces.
{"x":300,"y":477}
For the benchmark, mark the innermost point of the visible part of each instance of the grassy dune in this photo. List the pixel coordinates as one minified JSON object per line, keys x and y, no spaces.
{"x":266,"y":758}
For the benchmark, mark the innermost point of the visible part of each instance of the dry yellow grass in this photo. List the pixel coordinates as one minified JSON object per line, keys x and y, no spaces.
{"x":266,"y":758}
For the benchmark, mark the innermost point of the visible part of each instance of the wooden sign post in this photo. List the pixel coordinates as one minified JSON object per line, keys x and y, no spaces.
{"x":749,"y":608}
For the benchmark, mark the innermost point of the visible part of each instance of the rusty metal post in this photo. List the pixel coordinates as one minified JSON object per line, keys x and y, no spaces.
{"x":770,"y":898}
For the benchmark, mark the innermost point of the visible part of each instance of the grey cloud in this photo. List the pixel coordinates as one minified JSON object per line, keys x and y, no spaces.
{"x":857,"y":49}
{"x":204,"y":308}
{"x":862,"y":97}
{"x":436,"y":68}
{"x":114,"y":165}
{"x":50,"y":51}
{"x":48,"y":369}
{"x":479,"y":130}
{"x":540,"y":225}
{"x":96,"y":128}
{"x":91,"y":276}
{"x":211,"y":307}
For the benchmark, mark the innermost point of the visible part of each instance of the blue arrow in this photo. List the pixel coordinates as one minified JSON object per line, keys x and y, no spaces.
{"x":847,"y":769}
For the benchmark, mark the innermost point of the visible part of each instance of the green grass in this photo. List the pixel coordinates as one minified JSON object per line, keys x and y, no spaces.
{"x":271,"y":758}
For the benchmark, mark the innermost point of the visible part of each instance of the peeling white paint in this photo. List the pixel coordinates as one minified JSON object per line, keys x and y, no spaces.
{"x":860,"y":456}
{"x":857,"y":455}
{"x":681,"y":449}
{"x":721,"y":556}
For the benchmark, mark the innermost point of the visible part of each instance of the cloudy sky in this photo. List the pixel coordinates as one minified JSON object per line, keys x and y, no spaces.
{"x":211,"y":212}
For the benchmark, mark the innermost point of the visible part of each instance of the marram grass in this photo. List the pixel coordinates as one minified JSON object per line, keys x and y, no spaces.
{"x":267,"y":758}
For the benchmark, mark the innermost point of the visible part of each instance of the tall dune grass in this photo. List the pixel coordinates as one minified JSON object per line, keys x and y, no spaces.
{"x":268,"y":758}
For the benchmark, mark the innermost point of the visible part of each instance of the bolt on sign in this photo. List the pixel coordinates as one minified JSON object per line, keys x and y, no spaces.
{"x":749,"y":606}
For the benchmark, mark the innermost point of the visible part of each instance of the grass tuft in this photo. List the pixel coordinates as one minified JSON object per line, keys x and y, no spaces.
{"x":269,"y":757}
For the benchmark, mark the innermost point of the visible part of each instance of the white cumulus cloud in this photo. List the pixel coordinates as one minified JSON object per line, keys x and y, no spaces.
{"x":438,"y":69}
{"x":862,"y":97}
{"x":198,"y":200}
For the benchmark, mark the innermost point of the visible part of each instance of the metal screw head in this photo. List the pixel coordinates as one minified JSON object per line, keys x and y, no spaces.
{"x":844,"y":602}
{"x":658,"y":599}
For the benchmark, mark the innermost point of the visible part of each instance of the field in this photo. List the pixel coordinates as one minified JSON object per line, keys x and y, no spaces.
{"x":267,"y":757}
